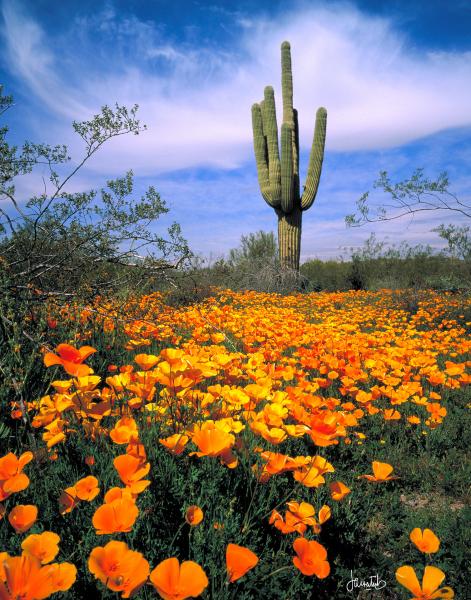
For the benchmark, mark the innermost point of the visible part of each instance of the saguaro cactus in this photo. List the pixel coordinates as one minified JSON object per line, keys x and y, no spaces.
{"x":279,"y":179}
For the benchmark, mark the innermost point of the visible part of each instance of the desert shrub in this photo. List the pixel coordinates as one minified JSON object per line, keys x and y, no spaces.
{"x":327,"y":275}
{"x":254,"y":249}
{"x":377,"y":266}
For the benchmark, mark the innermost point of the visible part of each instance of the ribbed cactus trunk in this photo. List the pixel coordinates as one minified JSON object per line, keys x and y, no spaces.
{"x":279,"y":178}
{"x":289,"y":238}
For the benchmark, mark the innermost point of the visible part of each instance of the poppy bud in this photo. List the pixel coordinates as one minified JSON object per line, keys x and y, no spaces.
{"x":194,"y":515}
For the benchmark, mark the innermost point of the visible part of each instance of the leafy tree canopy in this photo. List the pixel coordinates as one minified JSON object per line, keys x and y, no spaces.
{"x":60,"y":242}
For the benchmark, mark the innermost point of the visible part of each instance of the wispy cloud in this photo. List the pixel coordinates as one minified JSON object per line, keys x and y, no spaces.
{"x":380,"y":92}
{"x":30,"y":58}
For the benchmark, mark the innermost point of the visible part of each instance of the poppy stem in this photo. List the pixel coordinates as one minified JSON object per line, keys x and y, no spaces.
{"x":285,"y":499}
{"x":176,"y":535}
{"x":247,"y":521}
{"x":285,"y":568}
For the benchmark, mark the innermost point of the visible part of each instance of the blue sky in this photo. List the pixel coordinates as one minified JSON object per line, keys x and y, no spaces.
{"x":395,"y":77}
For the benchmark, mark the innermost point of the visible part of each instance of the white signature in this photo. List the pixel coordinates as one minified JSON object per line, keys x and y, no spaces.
{"x":373,"y":582}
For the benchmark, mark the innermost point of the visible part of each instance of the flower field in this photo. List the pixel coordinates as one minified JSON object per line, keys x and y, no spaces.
{"x":249,"y":446}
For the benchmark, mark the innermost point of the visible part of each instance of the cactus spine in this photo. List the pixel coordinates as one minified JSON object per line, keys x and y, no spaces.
{"x":279,"y":179}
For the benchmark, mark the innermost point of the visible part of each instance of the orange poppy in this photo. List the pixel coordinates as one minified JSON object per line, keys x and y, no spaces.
{"x":124,"y":431}
{"x":136,"y":449}
{"x":175,"y":443}
{"x":118,"y":515}
{"x":61,"y":576}
{"x":119,"y":568}
{"x":391,"y":414}
{"x":311,"y":558}
{"x":71,"y":359}
{"x":51,"y":323}
{"x":431,"y":581}
{"x":175,"y":581}
{"x":426,"y":541}
{"x":24,"y":577}
{"x":297,"y":518}
{"x":87,"y":488}
{"x":146,"y":361}
{"x":23,"y":517}
{"x":324,"y":515}
{"x":214,"y":442}
{"x":381,"y":472}
{"x":44,"y":546}
{"x":276,"y":463}
{"x":194,"y":515}
{"x":68,"y":500}
{"x":239,"y":560}
{"x":131,"y":470}
{"x":311,"y":470}
{"x":55,"y":433}
{"x":338,"y":490}
{"x":12,"y":479}
{"x":309,"y":477}
{"x":90,"y":460}
{"x":117,"y":493}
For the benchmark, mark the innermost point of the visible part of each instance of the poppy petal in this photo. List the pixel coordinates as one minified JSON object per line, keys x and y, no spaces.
{"x":406,"y":577}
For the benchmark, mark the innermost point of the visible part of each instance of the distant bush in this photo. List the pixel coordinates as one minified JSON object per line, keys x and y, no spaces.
{"x":253,"y":265}
{"x":328,"y":275}
{"x":377,"y":266}
{"x":374,"y":266}
{"x":255,"y":248}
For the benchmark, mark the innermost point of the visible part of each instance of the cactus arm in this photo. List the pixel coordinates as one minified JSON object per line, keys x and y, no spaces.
{"x":315,"y":160}
{"x":287,"y":83}
{"x":260,"y":148}
{"x":289,"y":150}
{"x":296,"y":155}
{"x":270,"y":129}
{"x":287,"y":189}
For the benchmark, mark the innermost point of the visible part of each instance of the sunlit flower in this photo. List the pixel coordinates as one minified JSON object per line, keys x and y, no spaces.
{"x":87,"y":488}
{"x":429,"y":590}
{"x":338,"y":490}
{"x":425,"y":540}
{"x":119,"y":568}
{"x":131,"y":470}
{"x":175,"y":581}
{"x":71,"y":359}
{"x":68,"y":500}
{"x":12,"y":478}
{"x":381,"y":472}
{"x":23,"y":517}
{"x":239,"y":560}
{"x":175,"y":443}
{"x":118,"y":515}
{"x":215,"y":442}
{"x":23,"y":577}
{"x":124,"y":431}
{"x":44,"y":546}
{"x":61,"y":576}
{"x":146,"y":361}
{"x":311,"y":558}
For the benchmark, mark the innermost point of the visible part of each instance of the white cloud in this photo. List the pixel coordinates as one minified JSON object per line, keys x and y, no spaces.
{"x":30,"y":58}
{"x":380,"y":93}
{"x":196,"y":101}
